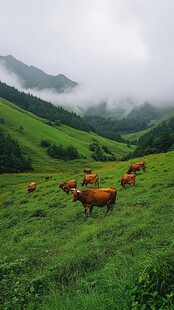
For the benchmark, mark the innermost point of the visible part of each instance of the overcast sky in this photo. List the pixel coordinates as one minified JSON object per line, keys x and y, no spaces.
{"x":114,"y":48}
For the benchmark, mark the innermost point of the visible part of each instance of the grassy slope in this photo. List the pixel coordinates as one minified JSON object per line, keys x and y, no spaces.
{"x":36,"y":130}
{"x":56,"y":259}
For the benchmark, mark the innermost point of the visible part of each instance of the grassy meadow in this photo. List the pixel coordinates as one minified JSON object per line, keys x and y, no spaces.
{"x":54,"y":258}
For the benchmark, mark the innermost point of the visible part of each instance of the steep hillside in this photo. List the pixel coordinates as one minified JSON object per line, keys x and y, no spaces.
{"x":53,"y":258}
{"x":42,"y":108}
{"x":32,"y":77}
{"x":30,"y":130}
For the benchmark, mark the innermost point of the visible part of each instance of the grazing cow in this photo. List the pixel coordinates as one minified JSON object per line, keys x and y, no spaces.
{"x":31,"y":187}
{"x":90,"y":179}
{"x":87,"y":170}
{"x":68,"y":185}
{"x":128,"y":179}
{"x":98,"y":197}
{"x":136,"y":167}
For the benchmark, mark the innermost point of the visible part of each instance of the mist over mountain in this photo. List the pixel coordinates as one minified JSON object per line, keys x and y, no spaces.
{"x":32,"y":77}
{"x":75,"y":97}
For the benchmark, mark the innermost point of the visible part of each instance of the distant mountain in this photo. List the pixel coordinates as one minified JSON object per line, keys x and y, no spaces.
{"x":102,"y":110}
{"x":145,"y":112}
{"x":32,"y":77}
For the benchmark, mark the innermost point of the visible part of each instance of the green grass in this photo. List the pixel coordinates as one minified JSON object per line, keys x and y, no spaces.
{"x":54,"y":258}
{"x":35,"y":129}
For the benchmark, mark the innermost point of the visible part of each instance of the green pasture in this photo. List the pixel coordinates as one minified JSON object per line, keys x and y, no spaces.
{"x":35,"y":129}
{"x":54,"y":258}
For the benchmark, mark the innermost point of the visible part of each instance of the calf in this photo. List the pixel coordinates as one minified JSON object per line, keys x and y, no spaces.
{"x":136,"y":167}
{"x":31,"y":187}
{"x":128,"y":179}
{"x":87,"y":170}
{"x":68,"y":185}
{"x":90,"y":179}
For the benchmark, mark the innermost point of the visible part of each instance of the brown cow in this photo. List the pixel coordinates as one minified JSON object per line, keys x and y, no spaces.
{"x":87,"y":170}
{"x":31,"y":187}
{"x":98,"y":197}
{"x":68,"y":185}
{"x":128,"y":179}
{"x":90,"y":179}
{"x":136,"y":167}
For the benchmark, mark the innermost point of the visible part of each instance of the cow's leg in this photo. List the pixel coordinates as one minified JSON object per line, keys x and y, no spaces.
{"x":111,"y":207}
{"x":90,"y":211}
{"x":85,"y":212}
{"x":108,"y":207}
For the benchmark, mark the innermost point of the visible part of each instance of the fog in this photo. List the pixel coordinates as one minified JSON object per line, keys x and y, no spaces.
{"x":119,"y":51}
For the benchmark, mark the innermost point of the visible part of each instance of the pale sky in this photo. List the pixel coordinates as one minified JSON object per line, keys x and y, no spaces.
{"x":114,"y":48}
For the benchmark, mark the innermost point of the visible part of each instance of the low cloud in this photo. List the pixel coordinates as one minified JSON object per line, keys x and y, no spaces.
{"x":121,"y":91}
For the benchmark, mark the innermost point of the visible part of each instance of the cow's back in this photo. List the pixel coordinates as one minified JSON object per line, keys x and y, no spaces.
{"x":100,"y":196}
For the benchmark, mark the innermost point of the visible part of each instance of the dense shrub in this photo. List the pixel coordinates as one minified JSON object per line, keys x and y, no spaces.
{"x":101,"y":153}
{"x":45,"y":143}
{"x":60,"y":152}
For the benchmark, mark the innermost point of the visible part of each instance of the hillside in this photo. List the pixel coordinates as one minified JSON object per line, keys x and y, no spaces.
{"x":32,"y":77}
{"x":30,"y":130}
{"x":42,"y":108}
{"x":53,"y":258}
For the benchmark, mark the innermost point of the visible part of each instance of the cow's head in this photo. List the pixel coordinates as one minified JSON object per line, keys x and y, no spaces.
{"x":66,"y":189}
{"x":60,"y":185}
{"x":76,"y":195}
{"x":129,"y":171}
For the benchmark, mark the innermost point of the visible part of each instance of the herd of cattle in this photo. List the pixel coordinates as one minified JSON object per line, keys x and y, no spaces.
{"x":99,"y":197}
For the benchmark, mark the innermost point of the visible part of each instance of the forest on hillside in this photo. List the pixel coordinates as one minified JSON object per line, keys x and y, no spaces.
{"x":159,"y":140}
{"x":43,"y":108}
{"x":111,"y":129}
{"x":138,"y":119}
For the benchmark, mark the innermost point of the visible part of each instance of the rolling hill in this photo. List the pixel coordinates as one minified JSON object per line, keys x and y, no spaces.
{"x":35,"y":129}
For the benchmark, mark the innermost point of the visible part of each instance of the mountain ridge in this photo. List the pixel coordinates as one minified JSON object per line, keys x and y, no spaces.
{"x":33,"y":77}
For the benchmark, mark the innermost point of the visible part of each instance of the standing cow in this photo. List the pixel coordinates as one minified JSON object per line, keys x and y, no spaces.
{"x":128,"y":179}
{"x":90,"y":179}
{"x":68,"y":185}
{"x":87,"y":170}
{"x":136,"y":167}
{"x":98,"y":197}
{"x":31,"y":187}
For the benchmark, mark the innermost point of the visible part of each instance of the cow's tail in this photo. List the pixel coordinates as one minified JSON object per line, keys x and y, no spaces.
{"x":98,"y":181}
{"x":144,"y":166}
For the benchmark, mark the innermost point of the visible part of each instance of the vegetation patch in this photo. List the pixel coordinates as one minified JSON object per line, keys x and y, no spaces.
{"x":11,"y":158}
{"x":101,"y":153}
{"x":65,"y":153}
